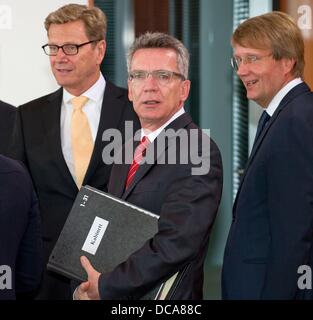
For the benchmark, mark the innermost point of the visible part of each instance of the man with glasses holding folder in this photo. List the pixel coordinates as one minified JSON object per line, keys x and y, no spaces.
{"x":163,"y":179}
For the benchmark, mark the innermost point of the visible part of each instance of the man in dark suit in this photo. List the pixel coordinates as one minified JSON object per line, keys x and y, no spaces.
{"x":45,"y":138}
{"x":186,"y":200}
{"x":271,"y":235}
{"x":20,"y":238}
{"x":7,"y":113}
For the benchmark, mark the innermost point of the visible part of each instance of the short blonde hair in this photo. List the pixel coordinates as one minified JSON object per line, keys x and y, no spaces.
{"x":94,"y":19}
{"x":275,"y":31}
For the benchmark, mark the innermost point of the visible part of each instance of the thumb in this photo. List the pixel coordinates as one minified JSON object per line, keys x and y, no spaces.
{"x":85,"y":286}
{"x":86,"y":265}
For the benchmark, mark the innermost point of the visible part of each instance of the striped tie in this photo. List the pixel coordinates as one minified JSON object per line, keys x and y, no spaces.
{"x":138,"y":156}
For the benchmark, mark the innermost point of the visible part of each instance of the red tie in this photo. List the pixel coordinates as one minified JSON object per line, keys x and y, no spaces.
{"x":139,"y":154}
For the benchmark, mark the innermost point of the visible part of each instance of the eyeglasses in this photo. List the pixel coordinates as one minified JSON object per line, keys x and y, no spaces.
{"x":162,"y":77}
{"x":68,"y":49}
{"x":250,"y":59}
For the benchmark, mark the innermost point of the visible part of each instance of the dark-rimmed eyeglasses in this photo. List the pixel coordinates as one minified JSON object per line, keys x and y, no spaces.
{"x":162,"y":77}
{"x":68,"y":49}
{"x":250,"y":59}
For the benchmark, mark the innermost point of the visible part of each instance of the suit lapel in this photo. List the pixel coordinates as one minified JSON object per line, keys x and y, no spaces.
{"x":111,"y":112}
{"x":51,"y":112}
{"x":292,"y":94}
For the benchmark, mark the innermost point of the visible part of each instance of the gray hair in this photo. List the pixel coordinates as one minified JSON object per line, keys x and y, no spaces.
{"x":161,"y":40}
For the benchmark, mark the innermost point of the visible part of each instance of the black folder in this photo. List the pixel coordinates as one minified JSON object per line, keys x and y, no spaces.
{"x":107,"y":230}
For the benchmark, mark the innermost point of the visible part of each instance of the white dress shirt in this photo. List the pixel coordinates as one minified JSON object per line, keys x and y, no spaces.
{"x":271,"y":108}
{"x":92,"y":110}
{"x":153,"y":135}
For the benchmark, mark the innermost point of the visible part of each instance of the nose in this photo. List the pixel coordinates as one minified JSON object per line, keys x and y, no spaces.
{"x":61,"y":55}
{"x":243,"y":69}
{"x":150,"y":83}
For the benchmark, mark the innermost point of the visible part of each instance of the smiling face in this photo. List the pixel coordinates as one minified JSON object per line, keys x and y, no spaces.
{"x":79,"y":72}
{"x":155,"y":104}
{"x":264,"y":77}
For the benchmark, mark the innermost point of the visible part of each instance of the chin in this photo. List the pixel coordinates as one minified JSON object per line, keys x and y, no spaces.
{"x":150,"y":114}
{"x":64,"y":83}
{"x":61,"y":83}
{"x":252,"y":97}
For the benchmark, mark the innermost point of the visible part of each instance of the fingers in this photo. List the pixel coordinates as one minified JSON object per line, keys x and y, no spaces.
{"x":84,"y":286}
{"x":86,"y":265}
{"x":90,"y":288}
{"x":81,"y":291}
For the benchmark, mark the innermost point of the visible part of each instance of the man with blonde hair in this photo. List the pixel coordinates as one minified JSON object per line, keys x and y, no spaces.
{"x":271,"y":235}
{"x":59,"y":136}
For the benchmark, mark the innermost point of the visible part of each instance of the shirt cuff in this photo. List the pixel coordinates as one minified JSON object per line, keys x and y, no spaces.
{"x":74,"y":298}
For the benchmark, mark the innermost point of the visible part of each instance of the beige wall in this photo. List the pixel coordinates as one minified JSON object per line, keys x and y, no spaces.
{"x":24,"y":68}
{"x":302,"y":12}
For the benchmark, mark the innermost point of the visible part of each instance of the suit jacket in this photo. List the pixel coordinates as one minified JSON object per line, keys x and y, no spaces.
{"x":272,"y":229}
{"x":187,"y":205}
{"x":20,"y":238}
{"x":7,"y":114}
{"x":37,"y":143}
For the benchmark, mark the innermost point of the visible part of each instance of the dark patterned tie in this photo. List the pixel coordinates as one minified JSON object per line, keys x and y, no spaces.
{"x":265,"y":117}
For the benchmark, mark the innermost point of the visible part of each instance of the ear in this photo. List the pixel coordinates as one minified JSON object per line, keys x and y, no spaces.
{"x":101,"y":49}
{"x":185,"y":88}
{"x":130,"y":91}
{"x":288,"y":65}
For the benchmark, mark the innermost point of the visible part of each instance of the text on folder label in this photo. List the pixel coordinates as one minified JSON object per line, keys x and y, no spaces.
{"x":95,"y":235}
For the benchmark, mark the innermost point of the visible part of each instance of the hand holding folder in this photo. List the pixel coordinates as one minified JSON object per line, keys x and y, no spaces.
{"x":106,"y":230}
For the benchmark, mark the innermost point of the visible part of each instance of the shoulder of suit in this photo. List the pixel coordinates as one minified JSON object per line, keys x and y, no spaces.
{"x":8,"y":166}
{"x":15,"y":184}
{"x":299,"y":104}
{"x":39,"y":102}
{"x":112,"y":89}
{"x":5,"y":107}
{"x":205,"y":134}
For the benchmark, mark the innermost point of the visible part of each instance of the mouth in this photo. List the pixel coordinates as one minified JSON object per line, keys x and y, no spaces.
{"x":151,"y":102}
{"x":250,"y":83}
{"x":63,"y":71}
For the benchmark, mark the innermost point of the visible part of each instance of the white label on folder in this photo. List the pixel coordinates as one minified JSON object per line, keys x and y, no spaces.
{"x":95,"y":235}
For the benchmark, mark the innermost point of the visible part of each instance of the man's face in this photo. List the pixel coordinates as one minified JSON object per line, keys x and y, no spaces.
{"x":264,"y":77}
{"x":153,"y":102}
{"x":76,"y":73}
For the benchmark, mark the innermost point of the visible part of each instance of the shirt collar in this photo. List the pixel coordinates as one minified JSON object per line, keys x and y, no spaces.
{"x":94,"y":93}
{"x":281,"y":94}
{"x":153,"y":135}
